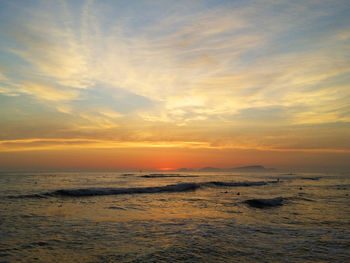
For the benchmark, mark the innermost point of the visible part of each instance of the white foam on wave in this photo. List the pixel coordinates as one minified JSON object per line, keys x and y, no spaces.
{"x":99,"y":191}
{"x":118,"y":191}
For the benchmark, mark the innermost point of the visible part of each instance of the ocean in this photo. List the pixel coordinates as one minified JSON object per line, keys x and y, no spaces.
{"x":174,"y":217}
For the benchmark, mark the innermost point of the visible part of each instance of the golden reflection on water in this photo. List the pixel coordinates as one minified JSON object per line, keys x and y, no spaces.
{"x":203,"y":203}
{"x":84,"y":229}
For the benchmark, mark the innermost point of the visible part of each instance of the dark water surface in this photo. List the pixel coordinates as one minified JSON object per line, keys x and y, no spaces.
{"x":187,"y":217}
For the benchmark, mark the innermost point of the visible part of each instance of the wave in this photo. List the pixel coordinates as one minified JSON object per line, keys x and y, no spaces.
{"x":180,"y":187}
{"x":38,"y":196}
{"x":237,"y":184}
{"x":263,"y":203}
{"x":166,"y":175}
{"x":292,"y":178}
{"x":311,"y":178}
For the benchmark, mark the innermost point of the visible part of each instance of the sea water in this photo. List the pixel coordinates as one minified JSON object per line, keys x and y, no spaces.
{"x":171,"y":217}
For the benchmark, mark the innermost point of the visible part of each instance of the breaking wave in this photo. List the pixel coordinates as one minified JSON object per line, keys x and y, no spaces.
{"x":180,"y":187}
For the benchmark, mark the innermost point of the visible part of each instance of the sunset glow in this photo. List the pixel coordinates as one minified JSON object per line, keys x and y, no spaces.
{"x":170,"y":84}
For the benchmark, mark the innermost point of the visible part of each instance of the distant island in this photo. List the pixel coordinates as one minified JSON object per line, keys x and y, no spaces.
{"x":185,"y":170}
{"x":253,"y":168}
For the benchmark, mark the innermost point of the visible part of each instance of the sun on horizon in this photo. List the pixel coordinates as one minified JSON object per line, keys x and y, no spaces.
{"x":115,"y":84}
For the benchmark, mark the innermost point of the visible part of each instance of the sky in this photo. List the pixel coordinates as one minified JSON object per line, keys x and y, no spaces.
{"x":169,"y":84}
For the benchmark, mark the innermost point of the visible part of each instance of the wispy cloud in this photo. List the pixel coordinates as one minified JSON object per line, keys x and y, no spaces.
{"x":46,"y":92}
{"x":38,"y":144}
{"x":112,"y":69}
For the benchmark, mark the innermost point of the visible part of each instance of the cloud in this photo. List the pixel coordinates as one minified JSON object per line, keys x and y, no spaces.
{"x":223,"y":57}
{"x":183,"y":72}
{"x":48,"y":92}
{"x":39,"y":144}
{"x":57,"y":143}
{"x":49,"y":46}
